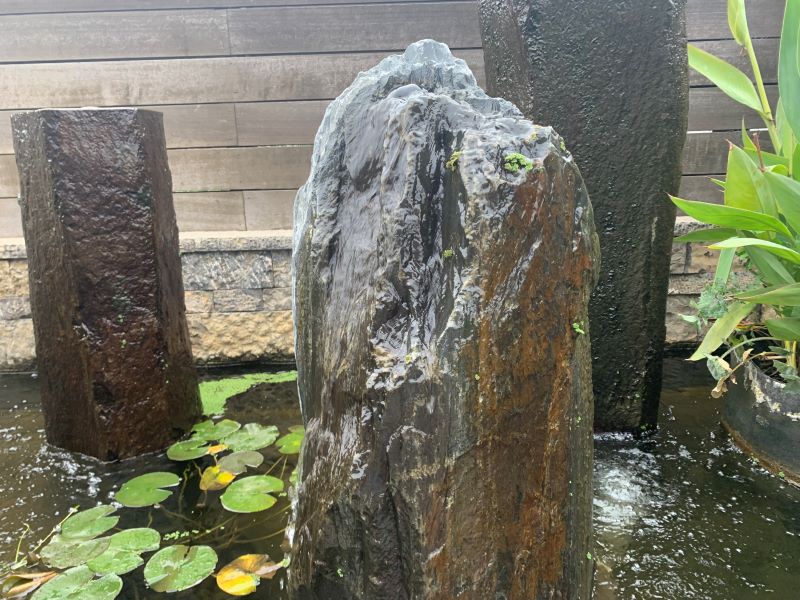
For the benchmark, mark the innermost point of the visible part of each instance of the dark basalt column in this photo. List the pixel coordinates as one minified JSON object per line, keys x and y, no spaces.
{"x":441,"y":290}
{"x":611,"y":77}
{"x":112,"y":343}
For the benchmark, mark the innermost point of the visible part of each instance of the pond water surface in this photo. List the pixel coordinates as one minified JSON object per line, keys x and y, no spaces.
{"x":679,"y":515}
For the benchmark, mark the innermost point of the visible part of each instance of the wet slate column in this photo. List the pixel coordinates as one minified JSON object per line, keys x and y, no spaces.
{"x":444,"y":256}
{"x":611,"y":77}
{"x":112,"y":343}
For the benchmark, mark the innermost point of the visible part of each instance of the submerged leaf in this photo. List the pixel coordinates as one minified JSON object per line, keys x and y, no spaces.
{"x":251,"y":494}
{"x":291,"y":442}
{"x":146,"y":490}
{"x":79,"y":584}
{"x":242,"y":575}
{"x":177,"y":568}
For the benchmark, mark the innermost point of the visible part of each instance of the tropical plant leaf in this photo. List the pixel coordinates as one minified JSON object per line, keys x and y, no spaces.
{"x":722,"y":329}
{"x":79,"y":584}
{"x":730,"y":217}
{"x":188,"y":450}
{"x":88,"y":524}
{"x":724,"y":265}
{"x":180,"y":567}
{"x":292,"y":441}
{"x":786,"y":192}
{"x":124,"y":551}
{"x":238,"y":462}
{"x":214,"y":478}
{"x":785,"y":295}
{"x":241,"y":576}
{"x":147,"y":490}
{"x":776,"y":249}
{"x":745,"y":186}
{"x":737,"y":21}
{"x":725,"y":76}
{"x":789,"y":65}
{"x":210,"y":432}
{"x":714,"y":234}
{"x":769,"y":266}
{"x":252,"y":437}
{"x":786,"y":328}
{"x":251,"y":494}
{"x":63,"y":554}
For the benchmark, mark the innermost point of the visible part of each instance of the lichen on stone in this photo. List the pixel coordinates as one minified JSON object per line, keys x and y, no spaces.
{"x":515,"y":161}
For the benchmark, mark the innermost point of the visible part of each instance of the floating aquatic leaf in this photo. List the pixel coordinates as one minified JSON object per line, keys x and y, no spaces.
{"x":177,"y":568}
{"x":252,"y":437}
{"x":187,"y":450}
{"x":146,"y":490}
{"x":242,"y":576}
{"x":17,"y":585}
{"x":291,"y":442}
{"x":238,"y":462}
{"x":79,"y":584}
{"x":215,"y":478}
{"x":209,"y":431}
{"x":251,"y":494}
{"x":88,"y":524}
{"x":124,"y":551}
{"x":62,"y":554}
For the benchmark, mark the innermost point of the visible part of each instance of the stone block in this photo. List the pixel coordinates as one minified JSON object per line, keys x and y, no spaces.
{"x":199,"y":302}
{"x":17,"y":345}
{"x":678,"y":330}
{"x":282,"y":268}
{"x":228,"y":301}
{"x":279,"y":298}
{"x":15,"y":307}
{"x":677,"y":259}
{"x":13,"y":278}
{"x":227,"y":270}
{"x":224,"y":338}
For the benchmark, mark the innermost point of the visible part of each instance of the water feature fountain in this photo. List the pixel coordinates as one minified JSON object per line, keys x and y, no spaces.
{"x":444,"y":254}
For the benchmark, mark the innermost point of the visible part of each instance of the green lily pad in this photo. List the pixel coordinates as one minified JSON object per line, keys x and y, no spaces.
{"x":124,"y":551}
{"x":63,"y":554}
{"x":238,"y":462}
{"x":251,"y":494}
{"x":177,"y":568}
{"x":79,"y":584}
{"x":209,"y":431}
{"x":291,"y":442}
{"x":88,"y":524}
{"x":187,"y":450}
{"x":146,"y":490}
{"x":251,"y":437}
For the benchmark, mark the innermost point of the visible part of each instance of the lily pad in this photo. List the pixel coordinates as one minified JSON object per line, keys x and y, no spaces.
{"x":214,"y":478}
{"x":63,"y":554}
{"x":79,"y":584}
{"x":187,"y":450}
{"x":177,"y":568}
{"x":146,"y":490}
{"x":88,"y":524}
{"x":251,"y":494}
{"x":252,"y":437}
{"x":242,"y":576}
{"x":209,"y":431}
{"x":124,"y":551}
{"x":292,"y":441}
{"x":238,"y":462}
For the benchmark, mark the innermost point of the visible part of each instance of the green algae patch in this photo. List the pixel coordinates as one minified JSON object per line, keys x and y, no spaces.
{"x":213,"y":394}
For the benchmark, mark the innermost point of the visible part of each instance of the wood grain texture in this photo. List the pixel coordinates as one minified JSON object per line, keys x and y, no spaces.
{"x":269,"y":209}
{"x":730,"y":51}
{"x":189,"y":81}
{"x":708,"y":19}
{"x":711,"y":110}
{"x":700,"y":187}
{"x":70,"y":37}
{"x":346,"y":28}
{"x":274,"y":123}
{"x":210,"y":211}
{"x":707,"y":153}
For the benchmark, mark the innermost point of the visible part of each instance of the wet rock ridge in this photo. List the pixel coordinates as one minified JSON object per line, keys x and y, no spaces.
{"x":106,"y":291}
{"x":611,"y":76}
{"x":444,"y":254}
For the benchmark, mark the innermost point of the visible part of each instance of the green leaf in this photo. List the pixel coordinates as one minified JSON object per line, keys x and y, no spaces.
{"x":737,"y":21}
{"x":745,"y":187}
{"x":730,"y":217}
{"x":784,"y":295}
{"x":88,"y":524}
{"x":786,"y":192}
{"x":251,"y":494}
{"x":786,"y":136}
{"x":208,"y":431}
{"x":769,"y":267}
{"x":188,"y":449}
{"x":715,"y":234}
{"x":146,"y":490}
{"x":177,"y":568}
{"x":789,"y":65}
{"x":776,"y":249}
{"x":124,"y":551}
{"x":238,"y":462}
{"x":79,"y":584}
{"x":786,"y":328}
{"x":725,"y":76}
{"x":724,"y":265}
{"x":722,"y":329}
{"x":291,"y":442}
{"x":62,"y":554}
{"x":251,"y":437}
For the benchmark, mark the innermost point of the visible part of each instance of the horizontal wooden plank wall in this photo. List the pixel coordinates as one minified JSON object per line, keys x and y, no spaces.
{"x":243,"y":84}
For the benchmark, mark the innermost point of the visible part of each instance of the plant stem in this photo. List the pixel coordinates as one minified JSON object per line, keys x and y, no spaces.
{"x":19,"y":543}
{"x":750,"y":341}
{"x":769,"y":120}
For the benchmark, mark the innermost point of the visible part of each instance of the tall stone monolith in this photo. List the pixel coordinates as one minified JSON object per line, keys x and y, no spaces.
{"x":112,"y":344}
{"x":611,"y":77}
{"x":444,"y":256}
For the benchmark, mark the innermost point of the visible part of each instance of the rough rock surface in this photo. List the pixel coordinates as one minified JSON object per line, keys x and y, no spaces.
{"x":611,"y":77}
{"x":444,"y":370}
{"x":105,"y":280}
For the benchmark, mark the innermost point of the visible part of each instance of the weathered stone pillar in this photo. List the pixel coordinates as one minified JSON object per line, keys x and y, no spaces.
{"x":444,"y":253}
{"x":611,"y":77}
{"x":112,"y":343}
